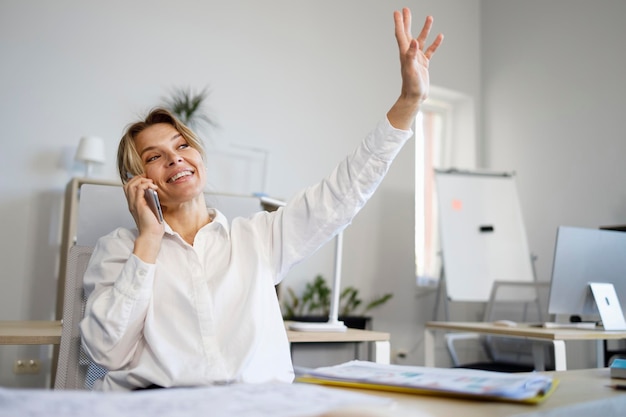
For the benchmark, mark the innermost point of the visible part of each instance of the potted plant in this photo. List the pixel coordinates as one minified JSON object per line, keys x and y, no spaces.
{"x":189,"y":106}
{"x":313,"y":305}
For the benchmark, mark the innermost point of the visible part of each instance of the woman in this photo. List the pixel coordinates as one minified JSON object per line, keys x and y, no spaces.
{"x":191,"y":301}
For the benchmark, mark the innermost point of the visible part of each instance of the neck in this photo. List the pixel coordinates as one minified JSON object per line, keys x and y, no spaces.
{"x":186,"y":219}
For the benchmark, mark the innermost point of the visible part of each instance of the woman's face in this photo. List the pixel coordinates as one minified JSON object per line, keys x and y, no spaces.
{"x":174,"y":166}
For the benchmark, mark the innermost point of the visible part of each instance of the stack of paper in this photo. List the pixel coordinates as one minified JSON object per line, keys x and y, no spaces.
{"x":487,"y":385}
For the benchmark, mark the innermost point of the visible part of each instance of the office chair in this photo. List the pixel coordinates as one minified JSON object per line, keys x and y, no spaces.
{"x":502,"y":354}
{"x":74,"y":368}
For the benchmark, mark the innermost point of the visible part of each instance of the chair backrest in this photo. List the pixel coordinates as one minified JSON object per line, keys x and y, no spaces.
{"x":511,"y":300}
{"x":74,"y":368}
{"x":516,"y":293}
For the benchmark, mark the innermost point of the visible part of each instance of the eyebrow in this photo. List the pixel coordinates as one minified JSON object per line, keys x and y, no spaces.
{"x":149,"y":148}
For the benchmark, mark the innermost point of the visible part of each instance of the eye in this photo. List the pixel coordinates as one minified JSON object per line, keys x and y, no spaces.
{"x":152,"y":158}
{"x":183,"y":145}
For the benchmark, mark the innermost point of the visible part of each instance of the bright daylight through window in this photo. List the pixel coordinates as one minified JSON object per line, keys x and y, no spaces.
{"x":445,"y":139}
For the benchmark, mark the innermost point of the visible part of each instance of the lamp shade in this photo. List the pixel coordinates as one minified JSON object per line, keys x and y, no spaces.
{"x":90,"y":149}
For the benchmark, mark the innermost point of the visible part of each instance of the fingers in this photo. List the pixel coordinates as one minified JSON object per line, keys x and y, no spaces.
{"x":139,"y":184}
{"x":403,"y":33}
{"x":406,"y":17}
{"x":135,"y":189}
{"x":402,"y":22}
{"x":433,"y":47}
{"x":413,"y":48}
{"x":421,"y":39}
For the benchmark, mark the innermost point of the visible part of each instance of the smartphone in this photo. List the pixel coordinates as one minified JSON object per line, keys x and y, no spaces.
{"x":153,"y":202}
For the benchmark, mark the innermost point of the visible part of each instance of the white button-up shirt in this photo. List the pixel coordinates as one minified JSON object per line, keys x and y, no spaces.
{"x":208,"y":312}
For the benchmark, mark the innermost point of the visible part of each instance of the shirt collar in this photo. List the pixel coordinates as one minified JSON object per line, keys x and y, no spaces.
{"x":218,"y":220}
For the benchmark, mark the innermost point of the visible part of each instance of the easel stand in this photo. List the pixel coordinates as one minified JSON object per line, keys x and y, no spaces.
{"x":528,"y":293}
{"x":442,"y":298}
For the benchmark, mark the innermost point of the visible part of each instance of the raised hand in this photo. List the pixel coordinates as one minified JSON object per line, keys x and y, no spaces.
{"x":414,"y":62}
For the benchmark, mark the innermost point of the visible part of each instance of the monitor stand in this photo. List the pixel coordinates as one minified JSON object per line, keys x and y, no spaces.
{"x":608,"y":306}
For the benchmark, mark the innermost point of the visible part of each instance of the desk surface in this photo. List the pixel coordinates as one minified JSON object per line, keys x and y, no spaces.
{"x":49,"y":333}
{"x":526,"y":330}
{"x":30,"y":332}
{"x":580,"y":393}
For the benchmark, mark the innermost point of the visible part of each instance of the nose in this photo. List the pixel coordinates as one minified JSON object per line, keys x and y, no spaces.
{"x":173,"y":158}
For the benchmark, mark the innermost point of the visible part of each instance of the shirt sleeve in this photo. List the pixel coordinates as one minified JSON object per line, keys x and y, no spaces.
{"x":119,"y":286}
{"x":316,"y":214}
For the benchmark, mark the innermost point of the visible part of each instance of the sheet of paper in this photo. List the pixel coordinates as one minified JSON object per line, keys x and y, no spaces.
{"x":241,"y":400}
{"x":466,"y":381}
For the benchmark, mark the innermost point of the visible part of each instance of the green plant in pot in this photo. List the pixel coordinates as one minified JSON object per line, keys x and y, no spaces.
{"x":314,"y":304}
{"x":189,"y":106}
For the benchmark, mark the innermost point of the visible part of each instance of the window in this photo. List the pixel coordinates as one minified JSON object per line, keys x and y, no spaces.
{"x":445,"y":139}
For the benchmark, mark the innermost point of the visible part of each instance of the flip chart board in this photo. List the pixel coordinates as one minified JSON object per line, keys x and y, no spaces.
{"x":483,"y":238}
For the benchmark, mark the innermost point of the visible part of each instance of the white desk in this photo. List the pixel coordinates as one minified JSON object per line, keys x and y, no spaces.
{"x":558,"y":337}
{"x":49,"y":333}
{"x":379,"y":340}
{"x":42,"y":332}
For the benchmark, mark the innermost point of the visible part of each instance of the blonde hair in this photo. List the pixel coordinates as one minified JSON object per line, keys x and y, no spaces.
{"x":129,"y":163}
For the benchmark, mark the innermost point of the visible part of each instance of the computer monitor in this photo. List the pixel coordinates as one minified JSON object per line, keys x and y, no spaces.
{"x":582,"y":256}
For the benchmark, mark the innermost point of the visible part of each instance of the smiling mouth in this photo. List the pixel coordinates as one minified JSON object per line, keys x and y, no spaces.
{"x":180,"y":175}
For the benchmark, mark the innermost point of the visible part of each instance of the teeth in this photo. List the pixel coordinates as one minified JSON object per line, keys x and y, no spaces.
{"x":179,"y":175}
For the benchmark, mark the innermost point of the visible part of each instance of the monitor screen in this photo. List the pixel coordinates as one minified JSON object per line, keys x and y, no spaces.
{"x":582,"y":256}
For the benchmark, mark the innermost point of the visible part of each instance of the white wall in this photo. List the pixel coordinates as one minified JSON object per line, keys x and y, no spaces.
{"x":306,"y":80}
{"x":553,"y":89}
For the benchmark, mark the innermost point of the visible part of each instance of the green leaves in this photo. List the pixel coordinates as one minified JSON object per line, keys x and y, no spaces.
{"x":315,"y":300}
{"x":188,"y":106}
{"x":348,"y":301}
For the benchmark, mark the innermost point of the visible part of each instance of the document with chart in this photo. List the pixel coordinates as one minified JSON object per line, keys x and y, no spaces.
{"x":486,"y":385}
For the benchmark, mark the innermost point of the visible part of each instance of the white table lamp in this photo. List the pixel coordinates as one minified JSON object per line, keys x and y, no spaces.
{"x":90,"y":151}
{"x":333,"y":324}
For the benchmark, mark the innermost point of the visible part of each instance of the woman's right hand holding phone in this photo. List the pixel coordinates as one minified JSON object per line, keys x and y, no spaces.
{"x":148,"y":243}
